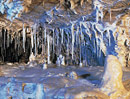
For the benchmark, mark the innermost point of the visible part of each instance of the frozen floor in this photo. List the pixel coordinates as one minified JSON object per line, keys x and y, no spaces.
{"x":56,"y":80}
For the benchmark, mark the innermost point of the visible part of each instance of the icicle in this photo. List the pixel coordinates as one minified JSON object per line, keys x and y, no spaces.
{"x":18,"y":43}
{"x":109,"y":37}
{"x":8,"y":39}
{"x":57,"y":34}
{"x":42,"y":44}
{"x":48,"y":46}
{"x":53,"y":40}
{"x":94,"y":46}
{"x":80,"y":43}
{"x":38,"y":41}
{"x":97,"y":15}
{"x":4,"y":37}
{"x":15,"y":39}
{"x":67,"y":47}
{"x":103,"y":47}
{"x":110,"y":14}
{"x":73,"y":39}
{"x":62,"y":31}
{"x":45,"y":35}
{"x":77,"y":35}
{"x":80,"y":51}
{"x":35,"y":38}
{"x":32,"y":44}
{"x":24,"y":38}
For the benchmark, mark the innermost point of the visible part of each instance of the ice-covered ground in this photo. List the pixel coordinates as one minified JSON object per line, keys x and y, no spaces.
{"x":56,"y":81}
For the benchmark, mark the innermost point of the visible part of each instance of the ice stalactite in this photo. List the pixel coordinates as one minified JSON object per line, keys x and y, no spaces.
{"x":24,"y":37}
{"x":35,"y":37}
{"x":32,"y":40}
{"x":110,"y":15}
{"x":80,"y":43}
{"x":45,"y":37}
{"x":4,"y":37}
{"x":68,"y":51}
{"x":73,"y":40}
{"x":62,"y":33}
{"x":18,"y":44}
{"x":109,"y":37}
{"x":15,"y":40}
{"x":77,"y":36}
{"x":53,"y":40}
{"x":42,"y":43}
{"x":99,"y":10}
{"x":48,"y":47}
{"x":8,"y":41}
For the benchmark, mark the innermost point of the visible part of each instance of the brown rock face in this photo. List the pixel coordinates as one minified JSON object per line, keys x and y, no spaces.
{"x":112,"y":79}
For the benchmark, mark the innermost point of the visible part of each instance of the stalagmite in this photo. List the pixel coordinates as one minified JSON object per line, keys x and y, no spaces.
{"x":112,"y":79}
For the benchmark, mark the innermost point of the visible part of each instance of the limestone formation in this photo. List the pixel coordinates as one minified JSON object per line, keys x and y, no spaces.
{"x":112,"y":79}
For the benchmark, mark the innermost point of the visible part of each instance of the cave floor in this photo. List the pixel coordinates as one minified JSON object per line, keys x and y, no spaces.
{"x":56,"y":80}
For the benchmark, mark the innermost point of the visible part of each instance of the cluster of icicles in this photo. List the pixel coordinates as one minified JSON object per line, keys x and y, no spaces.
{"x":78,"y":43}
{"x":81,"y":42}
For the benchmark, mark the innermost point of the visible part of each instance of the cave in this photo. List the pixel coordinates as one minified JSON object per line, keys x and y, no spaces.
{"x":64,"y":49}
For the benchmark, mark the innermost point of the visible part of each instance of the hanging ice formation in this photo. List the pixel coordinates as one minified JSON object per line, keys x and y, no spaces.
{"x":99,"y":10}
{"x":79,"y":42}
{"x":32,"y":40}
{"x":73,"y":39}
{"x":24,"y":37}
{"x":48,"y":47}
